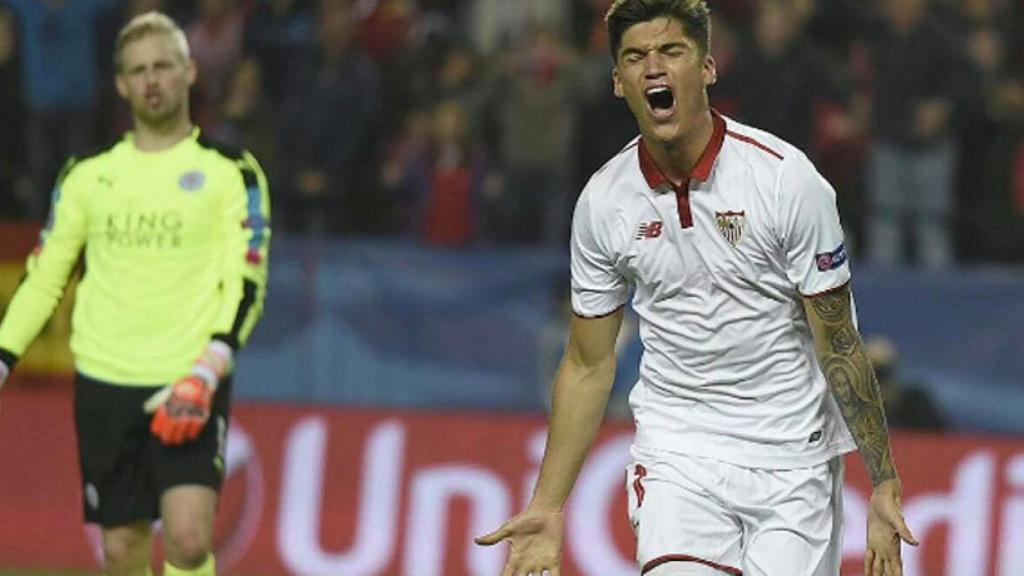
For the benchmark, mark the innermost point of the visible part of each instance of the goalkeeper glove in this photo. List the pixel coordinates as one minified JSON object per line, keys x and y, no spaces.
{"x":182,"y":409}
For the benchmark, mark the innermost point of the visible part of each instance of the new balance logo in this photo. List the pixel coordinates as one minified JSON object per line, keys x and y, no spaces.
{"x":649,"y":230}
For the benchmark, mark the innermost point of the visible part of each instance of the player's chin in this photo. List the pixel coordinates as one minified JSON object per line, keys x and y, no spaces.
{"x":155,"y":114}
{"x":664,"y":132}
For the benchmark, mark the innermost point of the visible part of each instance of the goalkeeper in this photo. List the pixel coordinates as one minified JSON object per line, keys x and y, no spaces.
{"x":174,"y":232}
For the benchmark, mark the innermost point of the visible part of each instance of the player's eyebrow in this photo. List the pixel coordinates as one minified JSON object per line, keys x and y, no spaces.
{"x":664,"y":47}
{"x":162,"y":62}
{"x":672,"y":46}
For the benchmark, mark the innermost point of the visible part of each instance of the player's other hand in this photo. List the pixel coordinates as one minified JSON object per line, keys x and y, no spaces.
{"x":536,"y":539}
{"x":180,"y":410}
{"x":886,"y":529}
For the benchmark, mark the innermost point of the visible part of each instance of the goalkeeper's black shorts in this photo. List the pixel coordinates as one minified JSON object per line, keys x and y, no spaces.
{"x":124,"y":467}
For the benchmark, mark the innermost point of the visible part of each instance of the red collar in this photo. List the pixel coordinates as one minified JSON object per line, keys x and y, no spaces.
{"x":702,"y":171}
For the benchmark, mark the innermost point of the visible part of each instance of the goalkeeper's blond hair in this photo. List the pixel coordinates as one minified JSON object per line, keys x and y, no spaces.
{"x":146,"y":24}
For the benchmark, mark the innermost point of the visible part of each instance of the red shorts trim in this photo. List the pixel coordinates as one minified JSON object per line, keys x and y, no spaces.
{"x":651,"y":564}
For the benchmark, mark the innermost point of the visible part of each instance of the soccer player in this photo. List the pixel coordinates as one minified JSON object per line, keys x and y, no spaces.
{"x":754,"y":381}
{"x":174,"y":231}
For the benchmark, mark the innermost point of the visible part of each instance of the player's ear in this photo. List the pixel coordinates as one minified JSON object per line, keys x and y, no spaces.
{"x":191,"y":70}
{"x":617,"y":83}
{"x":121,"y":85}
{"x":709,"y":73}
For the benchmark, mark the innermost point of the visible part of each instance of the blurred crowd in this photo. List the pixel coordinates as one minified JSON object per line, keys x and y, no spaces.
{"x":460,"y":123}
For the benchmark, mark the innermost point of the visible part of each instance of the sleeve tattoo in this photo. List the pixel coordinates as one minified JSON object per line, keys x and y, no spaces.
{"x":854,"y":386}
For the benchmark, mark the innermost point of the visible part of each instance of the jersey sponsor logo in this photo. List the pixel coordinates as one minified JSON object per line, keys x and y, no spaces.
{"x":731,"y":224}
{"x":192,"y":181}
{"x":815,"y":436}
{"x":156,"y":229}
{"x":831,"y":260}
{"x":648,"y":230}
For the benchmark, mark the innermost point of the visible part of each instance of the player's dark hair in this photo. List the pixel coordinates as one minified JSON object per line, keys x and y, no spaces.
{"x":693,"y":14}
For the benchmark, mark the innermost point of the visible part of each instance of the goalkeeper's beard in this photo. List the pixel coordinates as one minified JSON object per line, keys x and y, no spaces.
{"x":162,"y":118}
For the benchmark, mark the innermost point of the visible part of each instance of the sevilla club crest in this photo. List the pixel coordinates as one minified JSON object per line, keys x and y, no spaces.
{"x":731,"y":225}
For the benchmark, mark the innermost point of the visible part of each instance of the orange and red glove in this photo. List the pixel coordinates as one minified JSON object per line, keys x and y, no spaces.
{"x":181,"y":417}
{"x":181,"y":410}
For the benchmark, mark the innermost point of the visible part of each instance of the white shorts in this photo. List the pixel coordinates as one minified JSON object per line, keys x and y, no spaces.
{"x":702,"y":517}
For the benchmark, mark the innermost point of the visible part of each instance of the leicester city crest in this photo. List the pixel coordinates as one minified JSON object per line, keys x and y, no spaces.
{"x":731,"y":225}
{"x":192,"y":181}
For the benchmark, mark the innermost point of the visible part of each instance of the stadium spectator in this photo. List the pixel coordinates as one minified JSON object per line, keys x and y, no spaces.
{"x":387,"y":30}
{"x":907,"y":405}
{"x":59,"y":78}
{"x":14,"y":186}
{"x":247,"y":117}
{"x":993,"y":136}
{"x":917,"y":83}
{"x":778,"y":81}
{"x":327,"y":128}
{"x":533,"y":101}
{"x":406,"y":149}
{"x":609,"y":125}
{"x":422,"y":52}
{"x":444,"y":70}
{"x":216,"y":39}
{"x":458,"y":78}
{"x":442,"y":183}
{"x":276,"y":33}
{"x":781,"y":81}
{"x":496,"y":25}
{"x":835,"y":27}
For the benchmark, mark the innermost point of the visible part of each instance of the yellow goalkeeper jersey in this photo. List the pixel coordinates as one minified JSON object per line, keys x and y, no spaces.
{"x":175,"y":247}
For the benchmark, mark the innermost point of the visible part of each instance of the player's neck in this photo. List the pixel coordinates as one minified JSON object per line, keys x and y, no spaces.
{"x":149,"y":137}
{"x":677,"y":159}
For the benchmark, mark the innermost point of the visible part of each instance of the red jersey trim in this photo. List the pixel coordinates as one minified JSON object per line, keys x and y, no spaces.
{"x":749,"y":140}
{"x":828,"y":291}
{"x":701,"y":171}
{"x":652,"y":564}
{"x":597,"y":316}
{"x":683,"y":205}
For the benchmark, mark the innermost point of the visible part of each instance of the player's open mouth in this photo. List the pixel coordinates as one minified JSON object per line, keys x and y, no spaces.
{"x":661,"y":101}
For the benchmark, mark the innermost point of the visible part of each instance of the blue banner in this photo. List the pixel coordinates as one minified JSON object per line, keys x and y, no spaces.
{"x":396,"y":325}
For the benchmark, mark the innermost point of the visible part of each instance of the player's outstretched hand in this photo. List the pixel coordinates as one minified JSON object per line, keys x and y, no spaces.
{"x":886,"y":530}
{"x":181,"y":410}
{"x":536,"y":539}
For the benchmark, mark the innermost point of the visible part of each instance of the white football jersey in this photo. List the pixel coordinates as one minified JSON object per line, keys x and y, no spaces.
{"x":718,"y":268}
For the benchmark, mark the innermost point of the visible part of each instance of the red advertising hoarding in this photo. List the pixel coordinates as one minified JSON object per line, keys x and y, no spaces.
{"x":345,"y":492}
